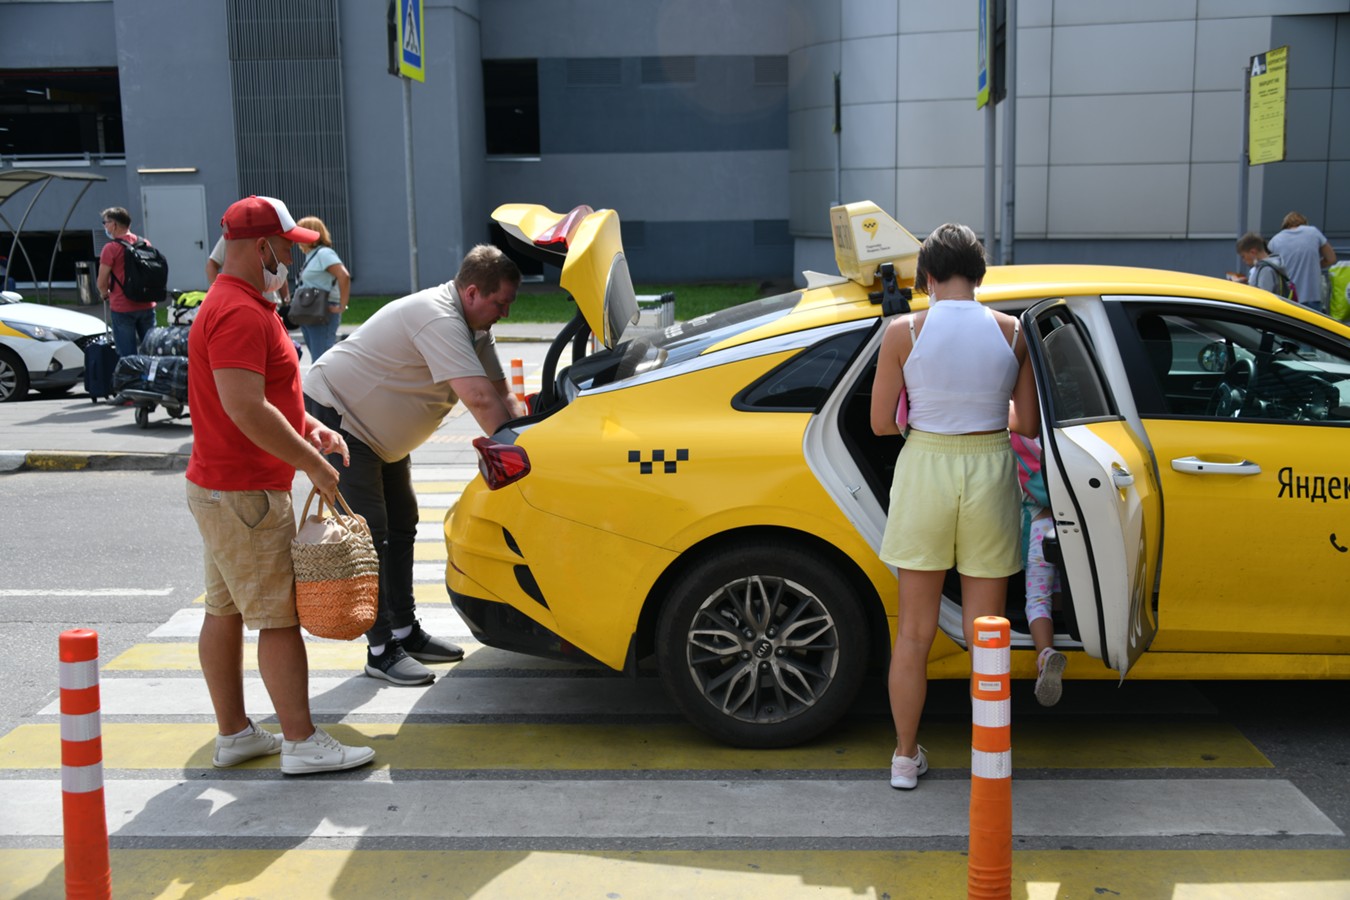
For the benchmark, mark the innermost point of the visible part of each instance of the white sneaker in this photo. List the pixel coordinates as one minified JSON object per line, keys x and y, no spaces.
{"x":231,"y":751}
{"x":1050,"y":681}
{"x":905,"y":770}
{"x":321,"y":753}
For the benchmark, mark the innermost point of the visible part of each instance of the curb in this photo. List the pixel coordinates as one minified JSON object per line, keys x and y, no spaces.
{"x":75,"y":461}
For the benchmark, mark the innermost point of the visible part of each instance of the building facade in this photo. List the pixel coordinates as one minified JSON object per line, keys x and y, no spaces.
{"x":710,"y":125}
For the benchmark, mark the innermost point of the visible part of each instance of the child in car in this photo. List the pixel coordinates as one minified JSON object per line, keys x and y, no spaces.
{"x":1042,"y":577}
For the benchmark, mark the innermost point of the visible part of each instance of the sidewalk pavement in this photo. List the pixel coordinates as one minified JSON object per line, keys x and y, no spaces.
{"x":73,"y":434}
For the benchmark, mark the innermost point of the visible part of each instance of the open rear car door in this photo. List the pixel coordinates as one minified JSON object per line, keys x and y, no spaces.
{"x":1099,"y":471}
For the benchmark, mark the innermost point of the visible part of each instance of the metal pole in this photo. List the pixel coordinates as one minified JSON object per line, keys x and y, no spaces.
{"x":1009,"y":133}
{"x":990,"y":182}
{"x":408,"y":171}
{"x":1244,"y":163}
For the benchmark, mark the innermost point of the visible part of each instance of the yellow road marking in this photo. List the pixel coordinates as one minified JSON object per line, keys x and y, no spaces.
{"x":1039,"y":744}
{"x":708,"y":875}
{"x":430,"y":551}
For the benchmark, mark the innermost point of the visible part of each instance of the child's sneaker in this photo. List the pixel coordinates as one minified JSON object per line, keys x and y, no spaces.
{"x":905,"y":770}
{"x":1050,"y":681}
{"x":256,"y":742}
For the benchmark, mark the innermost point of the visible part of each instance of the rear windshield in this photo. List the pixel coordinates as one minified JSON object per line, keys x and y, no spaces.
{"x":690,"y":338}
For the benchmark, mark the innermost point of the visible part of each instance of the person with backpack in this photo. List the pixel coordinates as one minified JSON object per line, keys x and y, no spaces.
{"x":132,"y":276}
{"x":1265,"y":271}
{"x":1305,"y":255}
{"x":1042,"y":576}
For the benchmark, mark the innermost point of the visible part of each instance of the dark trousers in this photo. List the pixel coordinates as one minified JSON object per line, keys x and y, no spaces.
{"x":382,"y":493}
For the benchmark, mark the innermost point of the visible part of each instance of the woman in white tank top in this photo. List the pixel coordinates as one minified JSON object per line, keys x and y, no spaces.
{"x":955,"y":498}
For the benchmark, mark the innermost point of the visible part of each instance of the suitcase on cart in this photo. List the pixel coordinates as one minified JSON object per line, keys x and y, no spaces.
{"x":100,"y":361}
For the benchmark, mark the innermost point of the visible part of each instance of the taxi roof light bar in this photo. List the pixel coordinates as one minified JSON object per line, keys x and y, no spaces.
{"x":865,"y":238}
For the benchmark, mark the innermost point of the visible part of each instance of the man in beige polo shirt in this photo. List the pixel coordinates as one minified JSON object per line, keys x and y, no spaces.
{"x":385,"y":389}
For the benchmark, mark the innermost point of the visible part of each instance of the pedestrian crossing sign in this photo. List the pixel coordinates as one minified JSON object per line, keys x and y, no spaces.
{"x":410,"y":36}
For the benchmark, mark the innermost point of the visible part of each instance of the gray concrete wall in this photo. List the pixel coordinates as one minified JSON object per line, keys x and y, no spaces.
{"x":1129,"y":123}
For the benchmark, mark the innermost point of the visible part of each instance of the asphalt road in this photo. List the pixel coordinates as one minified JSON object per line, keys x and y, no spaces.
{"x":575,"y":773}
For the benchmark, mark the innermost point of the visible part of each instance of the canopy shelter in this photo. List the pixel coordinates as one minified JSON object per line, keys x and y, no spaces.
{"x":12,"y":181}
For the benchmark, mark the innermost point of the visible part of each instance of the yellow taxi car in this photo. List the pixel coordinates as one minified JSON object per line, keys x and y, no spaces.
{"x":712,"y":493}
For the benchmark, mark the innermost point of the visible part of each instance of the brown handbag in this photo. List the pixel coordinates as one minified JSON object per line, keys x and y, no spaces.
{"x":337,"y":573}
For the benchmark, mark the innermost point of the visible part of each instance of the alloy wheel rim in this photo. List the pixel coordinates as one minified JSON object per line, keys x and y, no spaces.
{"x":762,"y":649}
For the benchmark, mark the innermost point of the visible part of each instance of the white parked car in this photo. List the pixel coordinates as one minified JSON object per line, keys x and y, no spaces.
{"x":41,"y":347}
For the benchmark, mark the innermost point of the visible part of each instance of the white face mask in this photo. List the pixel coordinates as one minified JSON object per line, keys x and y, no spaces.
{"x":273,"y":281}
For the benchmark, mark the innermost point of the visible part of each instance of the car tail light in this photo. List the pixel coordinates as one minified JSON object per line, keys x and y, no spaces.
{"x":501,"y":464}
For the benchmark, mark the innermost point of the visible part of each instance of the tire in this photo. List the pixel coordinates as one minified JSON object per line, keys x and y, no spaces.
{"x":143,"y":416}
{"x":762,"y":646}
{"x":13,"y":376}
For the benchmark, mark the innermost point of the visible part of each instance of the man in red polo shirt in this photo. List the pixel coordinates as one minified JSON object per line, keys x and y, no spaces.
{"x":250,"y":434}
{"x":131,"y":319}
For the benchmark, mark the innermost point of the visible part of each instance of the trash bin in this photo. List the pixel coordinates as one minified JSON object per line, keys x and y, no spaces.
{"x":84,"y":281}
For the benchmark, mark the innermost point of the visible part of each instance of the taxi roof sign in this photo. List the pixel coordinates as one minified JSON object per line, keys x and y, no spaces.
{"x":865,"y":237}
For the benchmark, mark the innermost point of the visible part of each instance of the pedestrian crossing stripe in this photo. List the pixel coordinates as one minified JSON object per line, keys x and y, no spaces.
{"x":1037,"y":744}
{"x":373,"y":806}
{"x":323,"y":656}
{"x":707,"y":874}
{"x":423,"y":595}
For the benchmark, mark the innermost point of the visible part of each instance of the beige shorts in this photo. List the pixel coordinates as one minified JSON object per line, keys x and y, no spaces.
{"x":955,"y":502}
{"x":247,"y":537}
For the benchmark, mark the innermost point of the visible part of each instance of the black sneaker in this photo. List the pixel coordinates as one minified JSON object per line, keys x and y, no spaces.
{"x":397,"y":667}
{"x":425,"y":648}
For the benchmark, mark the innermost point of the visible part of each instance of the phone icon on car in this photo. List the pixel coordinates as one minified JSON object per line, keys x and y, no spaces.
{"x":1336,"y":545}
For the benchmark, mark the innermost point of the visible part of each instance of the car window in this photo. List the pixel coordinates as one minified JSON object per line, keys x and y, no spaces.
{"x":804,"y":381}
{"x":1231,"y":365}
{"x":1076,"y":388}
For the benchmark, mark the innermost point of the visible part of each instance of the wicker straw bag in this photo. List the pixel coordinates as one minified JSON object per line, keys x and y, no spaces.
{"x":337,"y":574}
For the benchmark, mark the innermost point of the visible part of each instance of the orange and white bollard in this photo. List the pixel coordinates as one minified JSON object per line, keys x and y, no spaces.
{"x":518,"y":379}
{"x":88,"y":873}
{"x":989,"y":867}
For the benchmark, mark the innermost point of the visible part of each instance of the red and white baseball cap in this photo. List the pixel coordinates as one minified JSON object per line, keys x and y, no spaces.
{"x":255,"y":217}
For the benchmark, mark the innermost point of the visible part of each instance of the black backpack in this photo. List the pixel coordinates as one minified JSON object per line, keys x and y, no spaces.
{"x":1283,"y":286}
{"x":145,"y":272}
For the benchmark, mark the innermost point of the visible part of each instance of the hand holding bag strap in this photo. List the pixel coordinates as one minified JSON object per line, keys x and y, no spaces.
{"x":357,"y":522}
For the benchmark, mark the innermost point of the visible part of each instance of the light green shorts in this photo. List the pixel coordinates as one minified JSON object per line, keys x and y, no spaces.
{"x":955,"y":501}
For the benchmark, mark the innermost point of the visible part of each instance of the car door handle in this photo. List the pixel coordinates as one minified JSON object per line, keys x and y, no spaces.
{"x":1120,"y":476}
{"x":1194,"y":465}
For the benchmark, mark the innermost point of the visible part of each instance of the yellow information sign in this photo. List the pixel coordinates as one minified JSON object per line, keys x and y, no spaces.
{"x":1265,"y":143}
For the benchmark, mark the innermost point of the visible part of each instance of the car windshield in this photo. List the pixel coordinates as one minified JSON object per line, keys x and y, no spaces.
{"x":690,"y":338}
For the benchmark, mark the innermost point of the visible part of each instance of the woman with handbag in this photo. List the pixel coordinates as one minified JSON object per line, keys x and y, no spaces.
{"x":955,"y":499}
{"x":321,"y":297}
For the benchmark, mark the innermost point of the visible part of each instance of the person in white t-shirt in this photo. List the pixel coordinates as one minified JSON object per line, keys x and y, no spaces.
{"x":386,"y":389}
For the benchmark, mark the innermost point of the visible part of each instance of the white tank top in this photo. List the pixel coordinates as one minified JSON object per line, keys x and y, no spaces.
{"x":961,"y":372}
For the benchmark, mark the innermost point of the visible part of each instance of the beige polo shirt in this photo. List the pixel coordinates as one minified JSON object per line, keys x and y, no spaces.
{"x":390,"y":380}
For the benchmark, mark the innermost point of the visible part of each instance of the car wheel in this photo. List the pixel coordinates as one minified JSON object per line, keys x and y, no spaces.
{"x":13,"y":376}
{"x":762,"y":646}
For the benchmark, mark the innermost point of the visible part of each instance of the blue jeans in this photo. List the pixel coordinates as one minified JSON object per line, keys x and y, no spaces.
{"x":320,"y":338}
{"x":128,"y":329}
{"x":382,"y":493}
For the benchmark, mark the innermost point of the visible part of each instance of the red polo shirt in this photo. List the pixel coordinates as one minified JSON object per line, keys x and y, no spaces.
{"x":238,"y":329}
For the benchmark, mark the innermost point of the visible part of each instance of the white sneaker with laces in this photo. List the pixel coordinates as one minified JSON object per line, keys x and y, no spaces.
{"x":256,"y":742}
{"x":321,"y":753}
{"x":905,"y":770}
